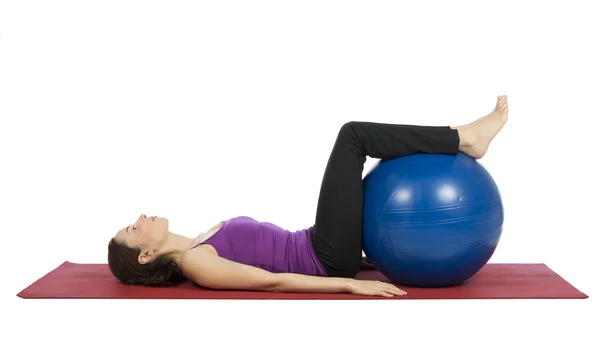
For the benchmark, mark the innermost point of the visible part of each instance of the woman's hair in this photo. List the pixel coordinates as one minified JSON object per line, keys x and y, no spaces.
{"x":123,"y":262}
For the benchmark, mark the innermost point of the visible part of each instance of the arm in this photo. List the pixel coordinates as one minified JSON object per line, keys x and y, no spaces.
{"x":298,"y":283}
{"x":211,"y":271}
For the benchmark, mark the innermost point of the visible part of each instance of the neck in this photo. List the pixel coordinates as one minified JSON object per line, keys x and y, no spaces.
{"x":176,"y":242}
{"x":177,"y":245}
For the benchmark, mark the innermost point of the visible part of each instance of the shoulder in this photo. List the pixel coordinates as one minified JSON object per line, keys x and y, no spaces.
{"x":192,"y":257}
{"x":195,"y":262}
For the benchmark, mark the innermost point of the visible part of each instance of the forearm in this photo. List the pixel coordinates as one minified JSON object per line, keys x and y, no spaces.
{"x":298,"y":283}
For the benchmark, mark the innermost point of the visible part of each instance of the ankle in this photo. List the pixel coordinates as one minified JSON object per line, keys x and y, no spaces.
{"x":465,"y":135}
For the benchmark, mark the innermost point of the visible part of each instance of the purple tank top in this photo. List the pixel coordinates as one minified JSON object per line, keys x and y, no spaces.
{"x":267,"y":246}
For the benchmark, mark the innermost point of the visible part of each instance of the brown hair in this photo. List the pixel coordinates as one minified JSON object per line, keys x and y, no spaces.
{"x":123,"y":262}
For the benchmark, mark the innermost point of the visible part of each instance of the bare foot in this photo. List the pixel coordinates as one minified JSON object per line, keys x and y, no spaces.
{"x":496,"y":109}
{"x":475,"y":138}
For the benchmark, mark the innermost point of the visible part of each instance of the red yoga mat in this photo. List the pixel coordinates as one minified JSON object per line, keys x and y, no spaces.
{"x":494,"y":281}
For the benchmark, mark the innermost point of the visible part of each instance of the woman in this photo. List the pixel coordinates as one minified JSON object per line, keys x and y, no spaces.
{"x":244,"y":254}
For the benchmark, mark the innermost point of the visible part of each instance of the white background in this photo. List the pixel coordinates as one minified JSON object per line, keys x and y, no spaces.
{"x":200,"y":111}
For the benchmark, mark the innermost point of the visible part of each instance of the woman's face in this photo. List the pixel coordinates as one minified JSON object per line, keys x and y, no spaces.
{"x":150,"y":232}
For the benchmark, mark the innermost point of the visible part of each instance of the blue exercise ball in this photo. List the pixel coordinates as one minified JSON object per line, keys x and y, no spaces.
{"x":430,"y":220}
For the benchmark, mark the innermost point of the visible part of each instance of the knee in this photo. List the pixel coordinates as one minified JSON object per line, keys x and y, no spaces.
{"x":350,"y":129}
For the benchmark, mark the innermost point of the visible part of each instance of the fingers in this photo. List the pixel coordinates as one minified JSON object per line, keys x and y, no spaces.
{"x":383,"y":289}
{"x":392,"y":290}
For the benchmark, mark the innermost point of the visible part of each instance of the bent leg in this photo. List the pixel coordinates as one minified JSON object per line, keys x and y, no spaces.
{"x":337,"y":233}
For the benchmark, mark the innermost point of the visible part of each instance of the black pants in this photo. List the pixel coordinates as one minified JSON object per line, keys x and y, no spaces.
{"x":337,"y":233}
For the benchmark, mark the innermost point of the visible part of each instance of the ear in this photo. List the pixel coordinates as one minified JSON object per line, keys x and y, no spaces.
{"x":146,"y":255}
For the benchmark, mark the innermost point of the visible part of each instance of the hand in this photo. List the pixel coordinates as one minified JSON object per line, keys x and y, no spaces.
{"x":378,"y":288}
